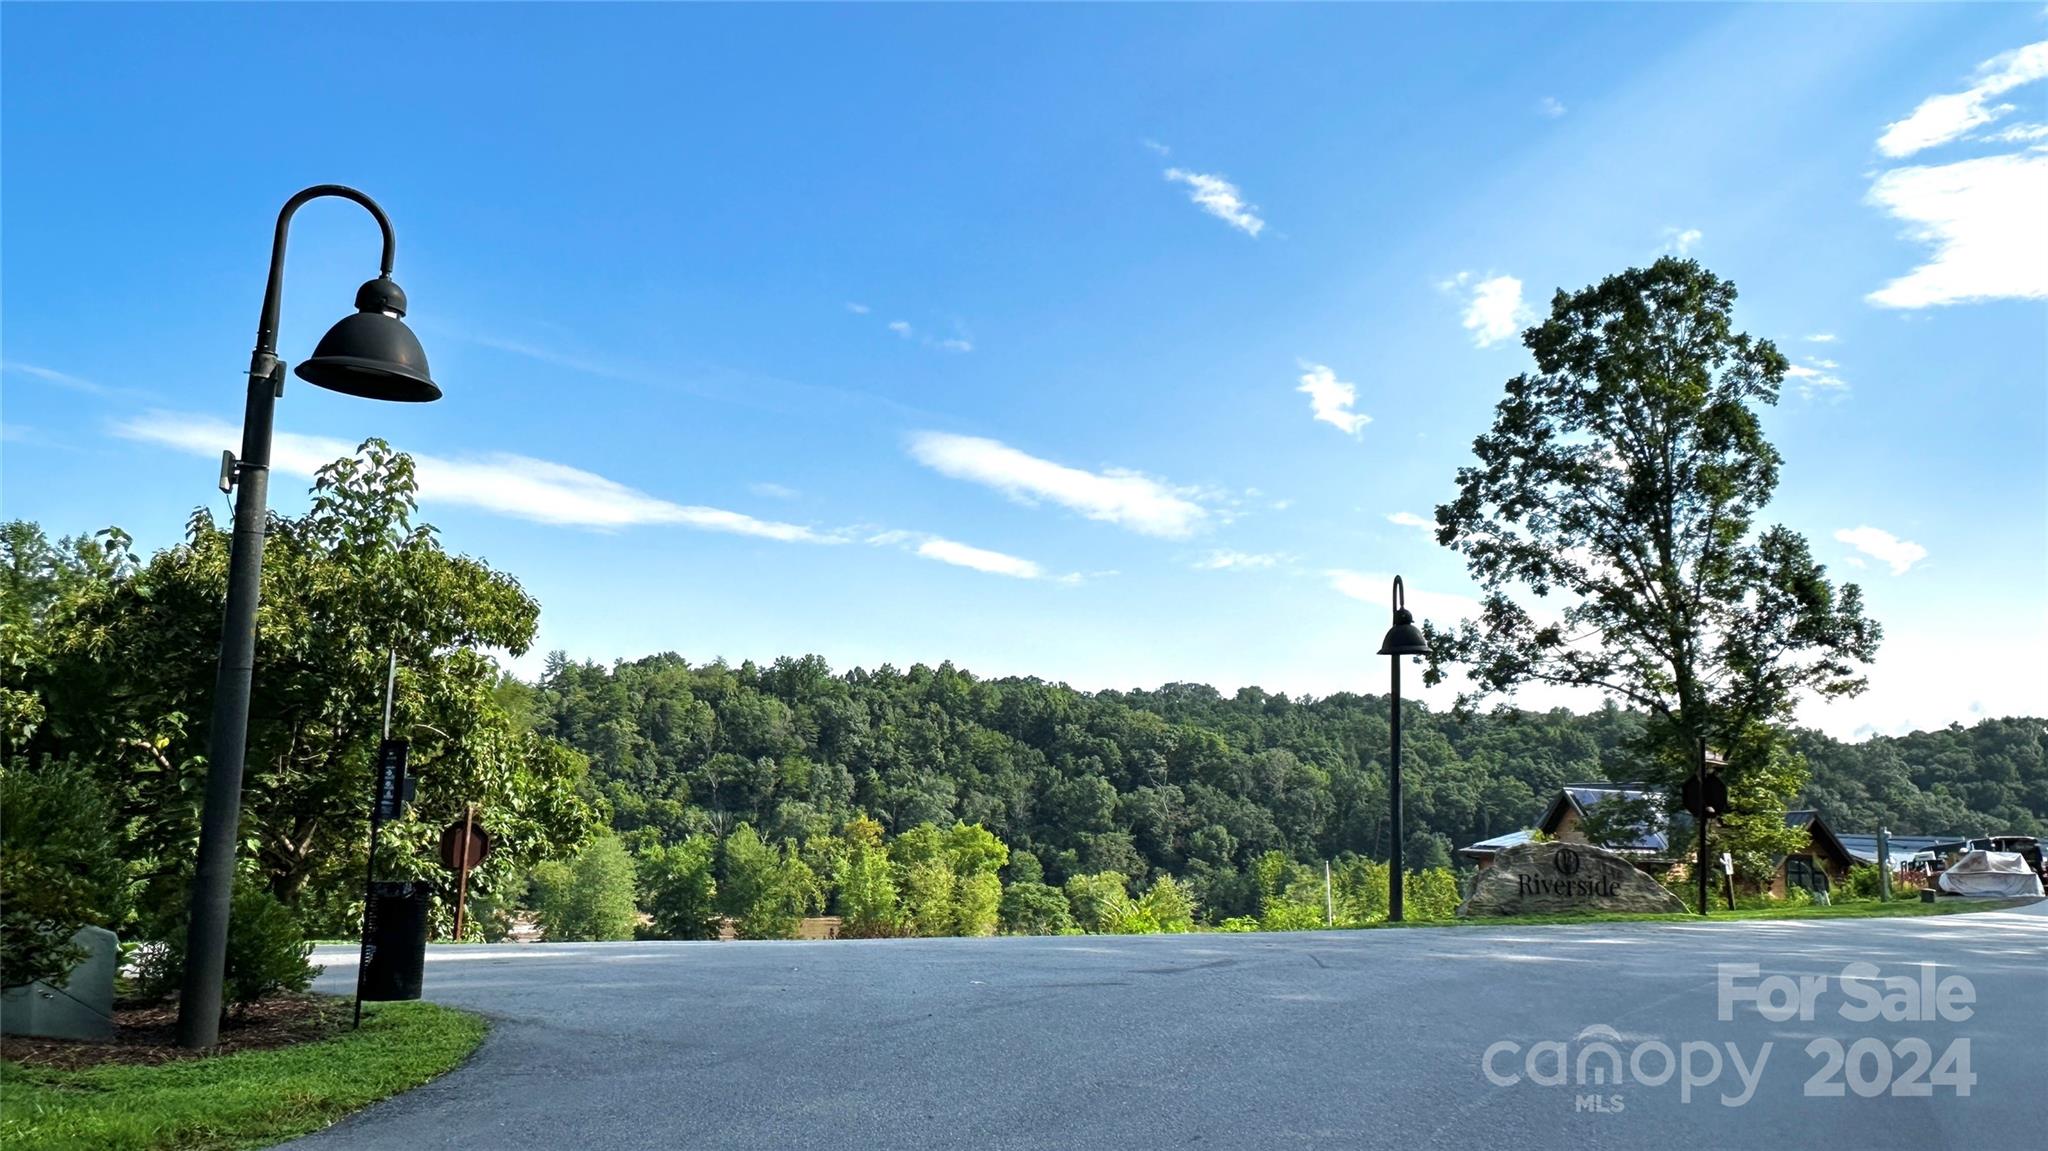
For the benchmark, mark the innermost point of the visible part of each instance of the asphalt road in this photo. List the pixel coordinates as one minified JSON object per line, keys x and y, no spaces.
{"x":1338,"y":1039}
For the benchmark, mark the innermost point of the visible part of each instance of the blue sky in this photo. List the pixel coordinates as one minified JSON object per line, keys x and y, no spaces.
{"x":1040,"y":339}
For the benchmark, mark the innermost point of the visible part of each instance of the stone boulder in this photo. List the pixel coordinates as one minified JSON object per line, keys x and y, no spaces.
{"x":1559,"y":878}
{"x":81,"y":1006}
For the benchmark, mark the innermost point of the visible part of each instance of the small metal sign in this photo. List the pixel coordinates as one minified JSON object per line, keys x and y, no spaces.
{"x":1715,"y":794}
{"x":1727,"y":863}
{"x":464,"y":845}
{"x":388,"y":802}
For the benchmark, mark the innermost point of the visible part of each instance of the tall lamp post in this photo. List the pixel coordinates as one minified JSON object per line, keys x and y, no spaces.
{"x":1403,"y":639}
{"x":370,"y":354}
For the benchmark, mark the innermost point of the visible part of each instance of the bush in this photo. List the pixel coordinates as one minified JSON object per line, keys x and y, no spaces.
{"x":1431,"y":895}
{"x":1237,"y":924}
{"x":588,"y":897}
{"x":58,"y":869}
{"x":1099,"y":901}
{"x":267,"y":951}
{"x":1033,"y":909}
{"x":1168,"y":905}
{"x":1292,"y":915}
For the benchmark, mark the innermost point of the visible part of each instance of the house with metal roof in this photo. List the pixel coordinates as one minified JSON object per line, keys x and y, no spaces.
{"x":1566,"y":816}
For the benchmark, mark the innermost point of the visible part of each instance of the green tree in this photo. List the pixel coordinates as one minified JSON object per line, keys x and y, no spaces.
{"x":1034,"y":909}
{"x":1101,"y":904}
{"x":587,"y":897}
{"x":1622,"y":480}
{"x":679,"y":889}
{"x":766,"y":891}
{"x":1168,"y":905}
{"x":121,"y":677}
{"x":867,"y":887}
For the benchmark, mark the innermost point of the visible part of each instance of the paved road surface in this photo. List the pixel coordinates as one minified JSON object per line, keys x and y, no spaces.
{"x":1322,"y":1039}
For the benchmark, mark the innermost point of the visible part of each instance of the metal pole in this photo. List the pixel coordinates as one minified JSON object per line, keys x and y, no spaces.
{"x":1394,"y":877}
{"x":1329,"y":901}
{"x":370,"y":868}
{"x":213,"y":877}
{"x":1703,"y":812}
{"x":462,"y":882}
{"x":1884,"y":864}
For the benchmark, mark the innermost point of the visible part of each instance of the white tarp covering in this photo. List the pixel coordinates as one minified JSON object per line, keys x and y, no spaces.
{"x":1990,"y":873}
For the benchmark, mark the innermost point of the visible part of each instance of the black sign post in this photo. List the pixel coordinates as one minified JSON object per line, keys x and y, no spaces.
{"x":392,"y":787}
{"x":1705,"y":796}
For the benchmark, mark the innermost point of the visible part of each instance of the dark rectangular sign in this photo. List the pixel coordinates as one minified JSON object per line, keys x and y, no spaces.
{"x":389,"y":800}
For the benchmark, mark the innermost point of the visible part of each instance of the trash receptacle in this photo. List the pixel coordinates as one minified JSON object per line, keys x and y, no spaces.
{"x":395,"y":958}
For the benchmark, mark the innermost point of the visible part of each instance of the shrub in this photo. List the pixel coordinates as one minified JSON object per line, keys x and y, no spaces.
{"x":1292,"y":915}
{"x":1430,"y":895}
{"x":1168,"y":905}
{"x":58,"y":868}
{"x":1033,"y":909}
{"x":1865,"y":881}
{"x":267,"y":951}
{"x":1238,"y":924}
{"x":1099,"y":901}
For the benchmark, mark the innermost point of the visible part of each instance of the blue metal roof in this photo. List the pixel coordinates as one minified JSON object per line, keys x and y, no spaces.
{"x":1497,"y":844}
{"x":1864,"y":847}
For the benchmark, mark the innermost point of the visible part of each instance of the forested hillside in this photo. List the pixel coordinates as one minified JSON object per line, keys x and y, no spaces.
{"x":1179,"y":780}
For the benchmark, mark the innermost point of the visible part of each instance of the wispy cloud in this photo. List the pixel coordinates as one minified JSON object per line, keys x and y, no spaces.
{"x":857,"y":309}
{"x":510,"y":485}
{"x":1221,"y":199}
{"x":1376,"y":588}
{"x":66,"y":380}
{"x":1156,"y":148}
{"x":2017,"y":134}
{"x":1332,"y":399}
{"x":1494,"y":310}
{"x":1939,"y":119}
{"x":1411,"y":520}
{"x":1551,"y":107}
{"x":1816,"y":377}
{"x":1821,"y":338}
{"x":1225,"y":560}
{"x":772,"y":491}
{"x":1884,"y":547}
{"x":900,"y":327}
{"x":1980,"y":217}
{"x":954,"y":552}
{"x":1118,"y":496}
{"x":1681,"y":240}
{"x":957,"y":344}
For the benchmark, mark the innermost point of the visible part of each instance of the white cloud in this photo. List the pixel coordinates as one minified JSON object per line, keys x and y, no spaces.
{"x":1156,"y":147}
{"x":1883,"y":547}
{"x":1225,"y":560}
{"x":1940,"y":119}
{"x":1681,"y":240}
{"x":857,"y":309}
{"x":65,"y":380}
{"x":1332,"y":399}
{"x":1984,"y":220}
{"x":1117,"y":496}
{"x":957,"y":344}
{"x":1494,"y":309}
{"x":500,"y":482}
{"x":1377,"y":588}
{"x":772,"y":491}
{"x":1821,"y":338}
{"x":980,"y":559}
{"x":900,"y":327}
{"x":2017,"y":134}
{"x":1816,"y":379}
{"x":1221,"y":199}
{"x":1411,"y":520}
{"x":1550,"y":106}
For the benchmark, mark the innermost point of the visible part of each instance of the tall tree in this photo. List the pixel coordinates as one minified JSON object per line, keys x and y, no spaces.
{"x":1621,"y":482}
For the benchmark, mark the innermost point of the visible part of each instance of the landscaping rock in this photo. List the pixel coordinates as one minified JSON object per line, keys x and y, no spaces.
{"x":81,"y":1006}
{"x":1564,"y":879}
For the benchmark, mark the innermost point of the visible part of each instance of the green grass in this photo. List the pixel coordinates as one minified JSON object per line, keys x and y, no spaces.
{"x":249,"y":1099}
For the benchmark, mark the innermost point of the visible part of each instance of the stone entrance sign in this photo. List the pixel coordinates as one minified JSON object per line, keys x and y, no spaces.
{"x":1563,"y":879}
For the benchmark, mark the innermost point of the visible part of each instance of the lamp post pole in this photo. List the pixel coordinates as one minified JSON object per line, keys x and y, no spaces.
{"x":366,"y":360}
{"x":1403,"y":639}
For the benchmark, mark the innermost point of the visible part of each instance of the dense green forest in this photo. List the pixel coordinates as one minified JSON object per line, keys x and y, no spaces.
{"x":1181,"y":780}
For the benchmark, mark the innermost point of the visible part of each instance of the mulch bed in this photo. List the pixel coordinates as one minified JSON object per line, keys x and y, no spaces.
{"x":147,"y":1033}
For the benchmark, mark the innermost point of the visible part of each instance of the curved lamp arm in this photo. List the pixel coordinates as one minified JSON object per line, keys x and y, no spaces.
{"x":266,"y":328}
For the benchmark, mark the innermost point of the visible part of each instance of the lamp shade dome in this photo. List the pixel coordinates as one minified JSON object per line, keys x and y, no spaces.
{"x":372,"y":353}
{"x":1404,"y":638}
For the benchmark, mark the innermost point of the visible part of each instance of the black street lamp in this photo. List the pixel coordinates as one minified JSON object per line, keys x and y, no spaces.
{"x":1403,"y":639}
{"x":370,"y":354}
